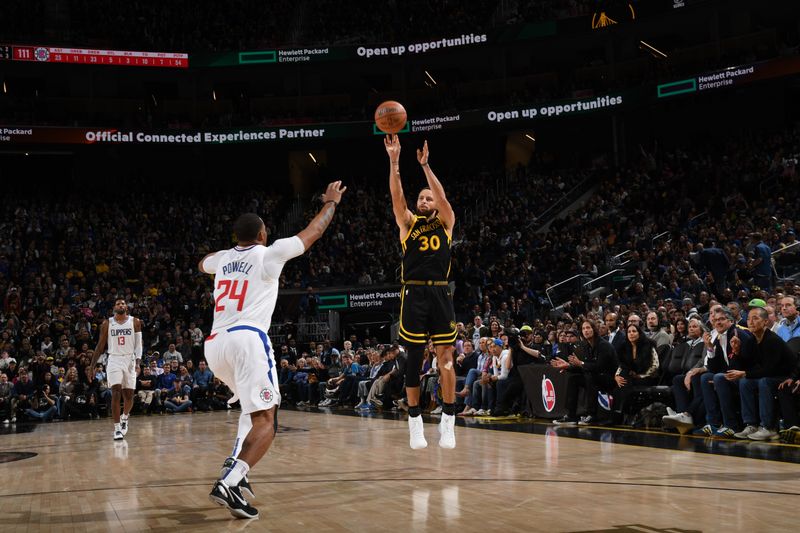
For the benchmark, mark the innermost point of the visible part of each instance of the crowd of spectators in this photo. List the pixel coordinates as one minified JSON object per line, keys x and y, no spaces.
{"x":692,"y":236}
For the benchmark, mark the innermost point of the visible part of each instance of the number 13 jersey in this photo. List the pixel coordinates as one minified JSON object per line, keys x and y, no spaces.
{"x":246,"y":282}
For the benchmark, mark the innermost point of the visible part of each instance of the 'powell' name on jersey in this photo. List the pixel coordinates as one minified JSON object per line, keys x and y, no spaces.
{"x":237,"y":266}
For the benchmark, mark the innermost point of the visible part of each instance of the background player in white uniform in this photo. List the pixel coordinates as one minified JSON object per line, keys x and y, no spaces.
{"x":123,"y":333}
{"x":238,"y":349}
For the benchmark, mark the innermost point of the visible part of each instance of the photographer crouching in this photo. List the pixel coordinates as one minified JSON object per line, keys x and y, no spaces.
{"x":519,"y":342}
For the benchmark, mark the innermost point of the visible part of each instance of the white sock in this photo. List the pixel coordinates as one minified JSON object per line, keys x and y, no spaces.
{"x":238,"y":471}
{"x":245,"y":425}
{"x":123,"y":416}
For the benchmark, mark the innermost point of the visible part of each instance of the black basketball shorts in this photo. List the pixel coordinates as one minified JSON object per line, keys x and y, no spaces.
{"x":427,"y":312}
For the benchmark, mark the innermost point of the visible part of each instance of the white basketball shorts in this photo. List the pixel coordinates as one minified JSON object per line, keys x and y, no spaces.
{"x":242,"y":357}
{"x":121,"y":370}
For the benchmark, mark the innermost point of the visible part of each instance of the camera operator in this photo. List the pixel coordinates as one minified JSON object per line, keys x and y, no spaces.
{"x":519,"y":342}
{"x":592,"y":366}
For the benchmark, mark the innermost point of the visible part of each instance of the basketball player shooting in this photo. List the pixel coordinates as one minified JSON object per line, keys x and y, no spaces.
{"x":123,"y":334}
{"x":238,"y":349}
{"x":426,"y":302}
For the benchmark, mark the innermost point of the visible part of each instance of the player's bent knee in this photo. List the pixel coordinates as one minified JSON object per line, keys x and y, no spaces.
{"x":264,"y":416}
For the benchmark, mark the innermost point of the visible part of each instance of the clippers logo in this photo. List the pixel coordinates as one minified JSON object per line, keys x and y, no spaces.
{"x":266,"y":395}
{"x":42,"y":54}
{"x":548,"y":394}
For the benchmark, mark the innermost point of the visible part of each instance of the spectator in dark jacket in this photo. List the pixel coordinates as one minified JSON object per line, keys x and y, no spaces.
{"x":638,"y":365}
{"x":789,"y":397}
{"x":773,"y":362}
{"x":591,"y":367}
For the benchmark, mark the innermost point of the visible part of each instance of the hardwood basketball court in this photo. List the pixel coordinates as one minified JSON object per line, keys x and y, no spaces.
{"x":344,"y":473}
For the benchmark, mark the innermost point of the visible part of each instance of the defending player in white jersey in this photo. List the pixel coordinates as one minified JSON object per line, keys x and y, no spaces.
{"x":123,"y":333}
{"x":238,"y":349}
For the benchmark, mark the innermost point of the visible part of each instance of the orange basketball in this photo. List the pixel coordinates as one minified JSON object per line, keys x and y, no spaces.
{"x":390,"y":116}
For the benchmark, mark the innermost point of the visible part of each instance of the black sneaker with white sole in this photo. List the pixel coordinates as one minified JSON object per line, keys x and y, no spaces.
{"x":246,"y":489}
{"x":231,"y":497}
{"x":244,"y":484}
{"x":565,"y":421}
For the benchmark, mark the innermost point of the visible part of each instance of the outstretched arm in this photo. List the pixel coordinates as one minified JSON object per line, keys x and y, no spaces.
{"x":318,"y":225}
{"x":402,"y":215}
{"x":200,"y":266}
{"x":442,"y":205}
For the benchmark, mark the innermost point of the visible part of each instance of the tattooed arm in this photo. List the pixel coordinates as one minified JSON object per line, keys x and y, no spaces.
{"x":320,"y":223}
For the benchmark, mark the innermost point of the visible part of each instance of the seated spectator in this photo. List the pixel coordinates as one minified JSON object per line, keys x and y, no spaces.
{"x":731,"y":349}
{"x":541,"y":345}
{"x":429,"y":381}
{"x":219,"y":394}
{"x":773,"y":363}
{"x":391,"y":371}
{"x":789,"y":325}
{"x":789,"y":398}
{"x":567,"y":339}
{"x":655,"y":330}
{"x":473,"y":362}
{"x":638,"y":367}
{"x":103,"y":390}
{"x":592,"y":367}
{"x":345,"y":383}
{"x":71,"y":398}
{"x":681,"y":332}
{"x":166,"y":383}
{"x":202,"y":379}
{"x":172,"y":354}
{"x":155,"y":370}
{"x":465,"y":362}
{"x":43,"y":405}
{"x":147,"y":391}
{"x":377,"y":368}
{"x":23,"y":393}
{"x":286,"y":379}
{"x":484,"y":390}
{"x":8,"y":402}
{"x":689,"y":408}
{"x":177,"y":400}
{"x":302,"y":383}
{"x":90,"y":388}
{"x":185,"y":379}
{"x":5,"y":360}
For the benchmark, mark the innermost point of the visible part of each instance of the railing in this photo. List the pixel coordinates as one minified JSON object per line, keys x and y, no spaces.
{"x":787,"y":270}
{"x":591,"y":282}
{"x":306,"y":332}
{"x":781,"y":250}
{"x":654,"y":239}
{"x":695,"y":218}
{"x":556,"y":205}
{"x":547,"y":292}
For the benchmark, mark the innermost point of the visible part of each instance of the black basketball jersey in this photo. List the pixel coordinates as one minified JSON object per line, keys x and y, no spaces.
{"x":426,"y":251}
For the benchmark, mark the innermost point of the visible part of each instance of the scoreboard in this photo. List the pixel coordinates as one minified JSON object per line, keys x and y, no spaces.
{"x":124,"y":58}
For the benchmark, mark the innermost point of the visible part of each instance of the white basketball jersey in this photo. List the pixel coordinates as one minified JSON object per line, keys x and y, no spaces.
{"x":120,"y":337}
{"x":246,"y":282}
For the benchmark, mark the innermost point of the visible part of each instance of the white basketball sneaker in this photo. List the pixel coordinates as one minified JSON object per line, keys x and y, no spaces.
{"x":447,"y":431}
{"x":123,"y":424}
{"x":417,"y":433}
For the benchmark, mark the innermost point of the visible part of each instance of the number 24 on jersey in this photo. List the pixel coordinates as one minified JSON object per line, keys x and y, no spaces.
{"x":229,"y":288}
